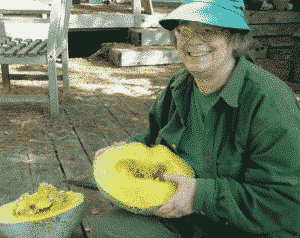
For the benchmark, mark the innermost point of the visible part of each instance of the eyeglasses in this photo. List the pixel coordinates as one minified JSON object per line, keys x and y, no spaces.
{"x":205,"y":34}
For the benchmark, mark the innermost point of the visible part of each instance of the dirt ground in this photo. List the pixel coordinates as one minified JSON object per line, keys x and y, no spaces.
{"x":88,"y":74}
{"x":95,"y":72}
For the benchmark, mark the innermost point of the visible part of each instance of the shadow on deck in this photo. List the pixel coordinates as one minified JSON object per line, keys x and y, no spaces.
{"x":105,"y":105}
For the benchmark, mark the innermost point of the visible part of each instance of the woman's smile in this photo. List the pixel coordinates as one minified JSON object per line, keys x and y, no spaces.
{"x":198,"y":54}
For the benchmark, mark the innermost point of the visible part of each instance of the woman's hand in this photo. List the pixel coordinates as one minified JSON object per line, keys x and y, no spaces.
{"x":115,"y":144}
{"x":182,"y":203}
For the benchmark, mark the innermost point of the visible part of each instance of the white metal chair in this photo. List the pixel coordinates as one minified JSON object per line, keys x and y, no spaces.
{"x":41,"y":50}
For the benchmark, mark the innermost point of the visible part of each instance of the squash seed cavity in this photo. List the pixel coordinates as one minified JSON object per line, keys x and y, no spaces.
{"x":137,"y":170}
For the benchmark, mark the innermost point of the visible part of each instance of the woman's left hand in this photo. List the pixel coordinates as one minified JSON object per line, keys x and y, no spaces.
{"x":182,"y":203}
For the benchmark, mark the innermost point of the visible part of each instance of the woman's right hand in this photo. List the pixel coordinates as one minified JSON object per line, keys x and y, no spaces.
{"x":101,"y":151}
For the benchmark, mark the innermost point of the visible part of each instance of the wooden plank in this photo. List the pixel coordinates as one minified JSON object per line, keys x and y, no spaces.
{"x":24,"y":98}
{"x":94,"y":125}
{"x":86,"y":16}
{"x":35,"y":51}
{"x":284,"y":29}
{"x":34,"y":164}
{"x":131,"y":123}
{"x":39,"y":59}
{"x":278,"y":67}
{"x":294,"y":61}
{"x":136,"y":6}
{"x":261,"y":17}
{"x":28,"y":48}
{"x":280,"y":53}
{"x":17,"y":48}
{"x":5,"y":76}
{"x":76,"y":164}
{"x":14,"y":178}
{"x":63,"y":11}
{"x":7,"y":47}
{"x":14,"y":50}
{"x":24,"y":7}
{"x":33,"y":77}
{"x":276,"y":41}
{"x":4,"y":40}
{"x":147,"y":5}
{"x":296,"y":34}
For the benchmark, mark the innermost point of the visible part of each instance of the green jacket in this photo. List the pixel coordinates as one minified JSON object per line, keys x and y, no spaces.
{"x":249,"y":163}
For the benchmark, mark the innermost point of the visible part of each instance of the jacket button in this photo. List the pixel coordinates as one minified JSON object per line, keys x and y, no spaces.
{"x":174,"y":146}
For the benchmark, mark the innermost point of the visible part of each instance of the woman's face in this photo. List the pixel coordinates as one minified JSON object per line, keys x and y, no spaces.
{"x":202,"y":48}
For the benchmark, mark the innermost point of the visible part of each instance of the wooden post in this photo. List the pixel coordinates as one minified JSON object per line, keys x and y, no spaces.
{"x":136,"y":7}
{"x":5,"y":77}
{"x":294,"y":58}
{"x":147,"y":5}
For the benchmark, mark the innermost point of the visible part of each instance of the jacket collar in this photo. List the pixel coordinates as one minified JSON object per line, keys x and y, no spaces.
{"x":183,"y":83}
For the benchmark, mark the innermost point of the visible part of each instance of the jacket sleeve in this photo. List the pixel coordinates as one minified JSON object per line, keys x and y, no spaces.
{"x":265,"y":199}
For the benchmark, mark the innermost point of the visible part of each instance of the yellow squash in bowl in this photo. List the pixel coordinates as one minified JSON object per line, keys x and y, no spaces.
{"x":46,"y":213}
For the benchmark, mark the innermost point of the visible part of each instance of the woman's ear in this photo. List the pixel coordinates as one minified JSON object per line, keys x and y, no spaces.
{"x":234,"y":44}
{"x":173,"y":38}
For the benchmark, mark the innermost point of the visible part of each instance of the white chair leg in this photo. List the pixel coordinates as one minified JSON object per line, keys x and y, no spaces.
{"x":53,"y":88}
{"x":5,"y":77}
{"x":65,"y":71}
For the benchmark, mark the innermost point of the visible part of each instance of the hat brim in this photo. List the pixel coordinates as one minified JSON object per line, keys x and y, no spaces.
{"x":205,"y":13}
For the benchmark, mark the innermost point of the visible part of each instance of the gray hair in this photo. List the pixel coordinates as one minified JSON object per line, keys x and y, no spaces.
{"x":241,"y":41}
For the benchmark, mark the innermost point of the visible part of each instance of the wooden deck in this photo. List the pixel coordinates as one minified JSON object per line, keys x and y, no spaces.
{"x":105,"y":105}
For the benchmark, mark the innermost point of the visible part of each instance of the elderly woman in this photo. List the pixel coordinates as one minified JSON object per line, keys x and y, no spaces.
{"x":234,"y":123}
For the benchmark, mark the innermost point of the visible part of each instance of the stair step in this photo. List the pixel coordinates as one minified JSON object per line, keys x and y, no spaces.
{"x":149,"y":36}
{"x":122,"y":54}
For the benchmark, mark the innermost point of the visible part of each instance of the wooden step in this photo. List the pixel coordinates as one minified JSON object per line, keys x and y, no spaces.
{"x":123,"y":54}
{"x":149,"y":36}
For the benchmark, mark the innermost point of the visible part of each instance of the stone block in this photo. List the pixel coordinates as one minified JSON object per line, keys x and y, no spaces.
{"x":122,"y":54}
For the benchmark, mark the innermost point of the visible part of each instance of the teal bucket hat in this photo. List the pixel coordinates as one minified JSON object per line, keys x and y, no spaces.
{"x":224,"y":13}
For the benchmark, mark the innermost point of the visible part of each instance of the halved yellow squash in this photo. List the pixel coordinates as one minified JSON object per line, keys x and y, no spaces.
{"x":131,"y":176}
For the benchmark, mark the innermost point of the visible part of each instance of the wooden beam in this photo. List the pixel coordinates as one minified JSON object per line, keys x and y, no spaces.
{"x":24,"y":98}
{"x":276,"y":29}
{"x":32,"y":77}
{"x":266,"y":17}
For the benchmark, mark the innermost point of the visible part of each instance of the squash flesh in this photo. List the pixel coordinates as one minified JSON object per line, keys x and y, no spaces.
{"x":134,"y":176}
{"x":8,"y":213}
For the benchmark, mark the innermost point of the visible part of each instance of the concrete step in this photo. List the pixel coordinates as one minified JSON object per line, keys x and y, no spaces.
{"x":149,"y":36}
{"x":122,"y":54}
